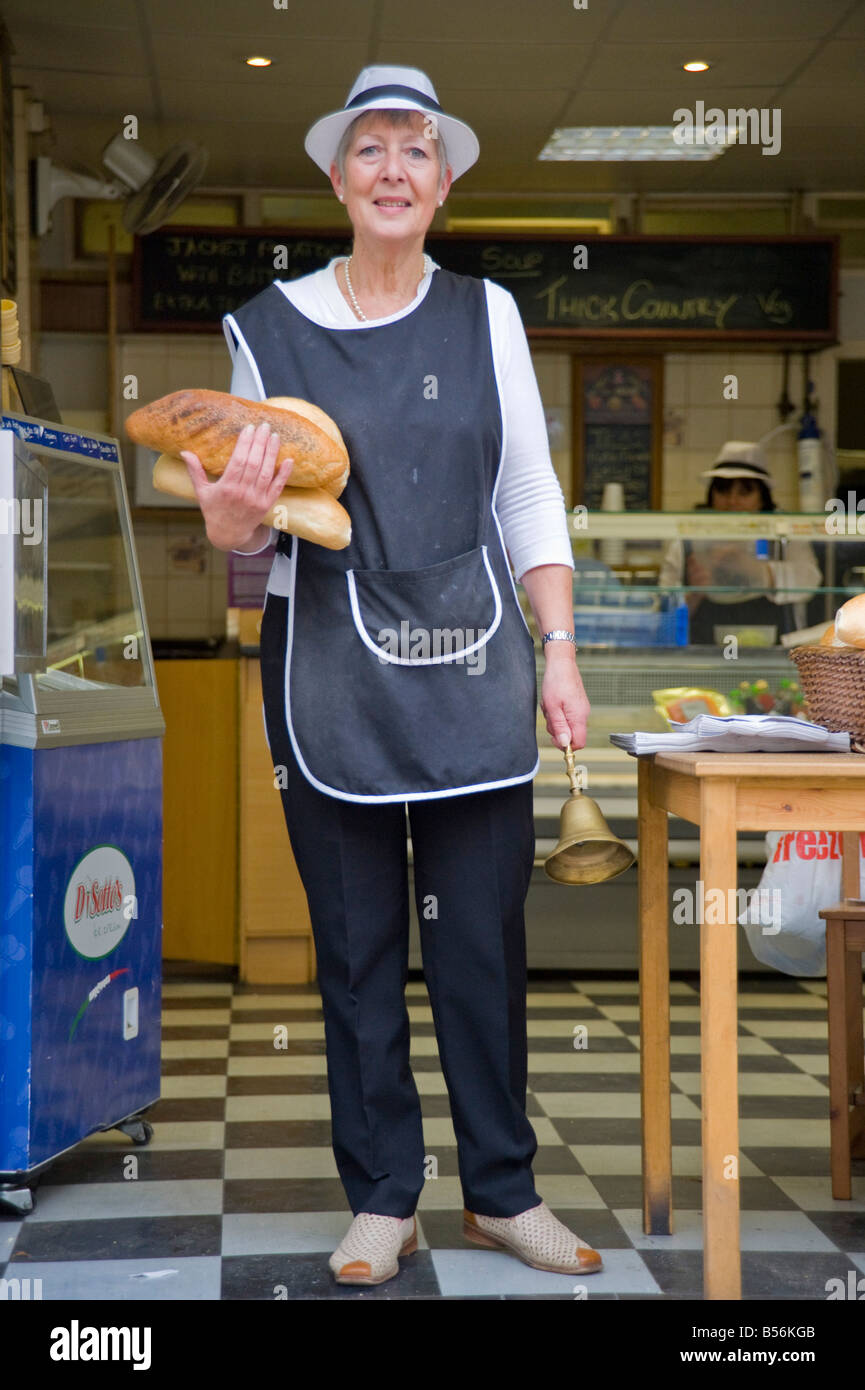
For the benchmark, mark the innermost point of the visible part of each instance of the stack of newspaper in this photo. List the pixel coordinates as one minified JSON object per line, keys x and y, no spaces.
{"x":737,"y":733}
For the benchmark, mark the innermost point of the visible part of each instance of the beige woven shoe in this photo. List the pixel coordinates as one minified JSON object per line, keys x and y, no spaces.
{"x":369,"y":1252}
{"x":536,"y":1237}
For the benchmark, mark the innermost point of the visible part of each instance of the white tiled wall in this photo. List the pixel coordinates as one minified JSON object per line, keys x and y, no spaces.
{"x":698,"y":420}
{"x":183,"y":577}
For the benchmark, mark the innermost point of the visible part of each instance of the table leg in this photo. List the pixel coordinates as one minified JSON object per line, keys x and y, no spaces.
{"x":837,"y":1001}
{"x":652,"y":867}
{"x":719,"y":1045}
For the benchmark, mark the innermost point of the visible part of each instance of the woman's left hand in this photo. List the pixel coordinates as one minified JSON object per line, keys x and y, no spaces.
{"x":564,"y":703}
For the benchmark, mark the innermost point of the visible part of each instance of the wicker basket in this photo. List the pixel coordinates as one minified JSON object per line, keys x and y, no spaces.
{"x":833,"y":684}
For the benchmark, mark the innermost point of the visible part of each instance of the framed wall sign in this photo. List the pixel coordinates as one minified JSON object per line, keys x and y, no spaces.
{"x":617,"y":429}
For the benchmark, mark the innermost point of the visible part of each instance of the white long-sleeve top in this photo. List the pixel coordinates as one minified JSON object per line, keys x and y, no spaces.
{"x":529,"y":501}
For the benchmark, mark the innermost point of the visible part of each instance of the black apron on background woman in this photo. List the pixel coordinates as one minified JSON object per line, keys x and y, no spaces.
{"x":759,"y":611}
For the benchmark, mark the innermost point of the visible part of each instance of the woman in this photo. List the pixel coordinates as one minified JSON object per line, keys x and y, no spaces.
{"x":771,"y":592}
{"x":428,"y":376}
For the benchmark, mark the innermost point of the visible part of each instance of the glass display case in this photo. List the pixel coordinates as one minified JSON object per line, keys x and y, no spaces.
{"x":701,"y":599}
{"x":80,"y":806}
{"x":77,"y":660}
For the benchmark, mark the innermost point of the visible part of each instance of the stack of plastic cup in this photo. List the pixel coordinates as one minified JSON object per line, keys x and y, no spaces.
{"x":10,"y":342}
{"x":613,"y":500}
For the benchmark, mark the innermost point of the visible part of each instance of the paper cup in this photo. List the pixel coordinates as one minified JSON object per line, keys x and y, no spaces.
{"x":11,"y":356}
{"x":613,"y":498}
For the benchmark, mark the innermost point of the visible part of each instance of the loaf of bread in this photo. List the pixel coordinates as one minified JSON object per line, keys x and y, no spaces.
{"x":850,"y":622}
{"x":207,"y":423}
{"x":308,"y":512}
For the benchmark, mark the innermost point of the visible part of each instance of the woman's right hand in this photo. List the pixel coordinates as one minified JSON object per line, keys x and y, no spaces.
{"x":235,"y":504}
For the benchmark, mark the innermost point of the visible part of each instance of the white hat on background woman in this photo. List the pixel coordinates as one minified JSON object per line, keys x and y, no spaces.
{"x":738,"y":459}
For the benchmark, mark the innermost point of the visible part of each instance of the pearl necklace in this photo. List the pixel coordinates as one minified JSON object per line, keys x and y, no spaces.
{"x":427,"y":270}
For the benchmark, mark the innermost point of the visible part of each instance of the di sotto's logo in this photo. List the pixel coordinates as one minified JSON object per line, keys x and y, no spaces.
{"x":100,"y":902}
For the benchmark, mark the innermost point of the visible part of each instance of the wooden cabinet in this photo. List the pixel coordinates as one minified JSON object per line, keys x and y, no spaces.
{"x":276,"y":944}
{"x":231,"y":890}
{"x":199,"y":704}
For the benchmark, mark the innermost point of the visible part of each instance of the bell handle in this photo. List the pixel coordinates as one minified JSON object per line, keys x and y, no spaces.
{"x":570,"y":758}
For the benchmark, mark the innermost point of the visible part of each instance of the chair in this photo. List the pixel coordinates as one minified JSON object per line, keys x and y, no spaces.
{"x":845,"y":942}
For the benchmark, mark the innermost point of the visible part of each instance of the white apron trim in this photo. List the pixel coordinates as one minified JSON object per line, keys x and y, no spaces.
{"x":229,"y":326}
{"x":423,"y":660}
{"x":350,"y":796}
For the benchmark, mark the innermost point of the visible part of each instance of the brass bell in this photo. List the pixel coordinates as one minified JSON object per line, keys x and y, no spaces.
{"x":588,"y":851}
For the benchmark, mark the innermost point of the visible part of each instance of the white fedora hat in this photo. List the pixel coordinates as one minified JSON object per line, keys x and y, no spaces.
{"x":379,"y":88}
{"x":738,"y":459}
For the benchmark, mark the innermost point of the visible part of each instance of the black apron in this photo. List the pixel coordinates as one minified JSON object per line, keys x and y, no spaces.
{"x":410,"y":669}
{"x":759,"y":611}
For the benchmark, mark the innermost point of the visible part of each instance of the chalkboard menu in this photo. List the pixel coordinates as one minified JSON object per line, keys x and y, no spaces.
{"x":617,"y":433}
{"x":624,"y":288}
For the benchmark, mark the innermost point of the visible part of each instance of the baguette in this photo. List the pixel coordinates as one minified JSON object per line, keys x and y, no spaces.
{"x":308,"y":512}
{"x":208,"y":422}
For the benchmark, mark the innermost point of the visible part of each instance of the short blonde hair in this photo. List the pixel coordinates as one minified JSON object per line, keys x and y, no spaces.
{"x":396,"y":116}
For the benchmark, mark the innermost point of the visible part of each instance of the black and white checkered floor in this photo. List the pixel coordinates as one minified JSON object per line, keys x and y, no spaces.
{"x":237,"y":1195}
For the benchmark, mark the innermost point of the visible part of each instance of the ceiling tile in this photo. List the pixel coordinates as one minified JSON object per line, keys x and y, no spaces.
{"x":84,"y":14}
{"x":73,"y":48}
{"x":345,"y":19}
{"x":483,"y":66}
{"x":491,"y":21}
{"x":193,"y":101}
{"x":746,"y":19}
{"x":837,"y":63}
{"x":307,"y":65}
{"x":110,"y":95}
{"x":634,"y":66}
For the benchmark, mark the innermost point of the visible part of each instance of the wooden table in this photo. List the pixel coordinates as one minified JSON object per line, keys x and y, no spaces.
{"x":721,"y":793}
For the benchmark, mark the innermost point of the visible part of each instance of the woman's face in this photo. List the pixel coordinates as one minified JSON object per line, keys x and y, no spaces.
{"x":391,"y":185}
{"x":735,"y":495}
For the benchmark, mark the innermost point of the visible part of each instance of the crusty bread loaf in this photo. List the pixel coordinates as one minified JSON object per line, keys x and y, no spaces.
{"x":850,"y":622}
{"x":308,"y":512}
{"x":324,"y":422}
{"x":207,"y":423}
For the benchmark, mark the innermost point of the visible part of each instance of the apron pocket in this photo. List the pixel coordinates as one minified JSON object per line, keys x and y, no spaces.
{"x":428,"y":616}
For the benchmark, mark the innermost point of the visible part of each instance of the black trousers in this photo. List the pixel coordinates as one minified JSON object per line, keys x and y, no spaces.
{"x":472,"y":864}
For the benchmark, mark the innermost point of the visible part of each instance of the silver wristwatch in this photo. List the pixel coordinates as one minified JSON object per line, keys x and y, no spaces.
{"x":558,"y":635}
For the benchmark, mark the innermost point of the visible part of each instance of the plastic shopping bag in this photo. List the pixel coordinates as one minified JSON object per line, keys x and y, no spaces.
{"x":802,"y":875}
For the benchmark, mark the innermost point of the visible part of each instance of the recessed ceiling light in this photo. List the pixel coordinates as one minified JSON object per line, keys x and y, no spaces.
{"x":697,"y":66}
{"x":259,"y":62}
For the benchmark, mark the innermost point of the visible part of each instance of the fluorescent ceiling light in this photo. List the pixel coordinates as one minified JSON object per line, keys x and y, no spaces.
{"x":635,"y":143}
